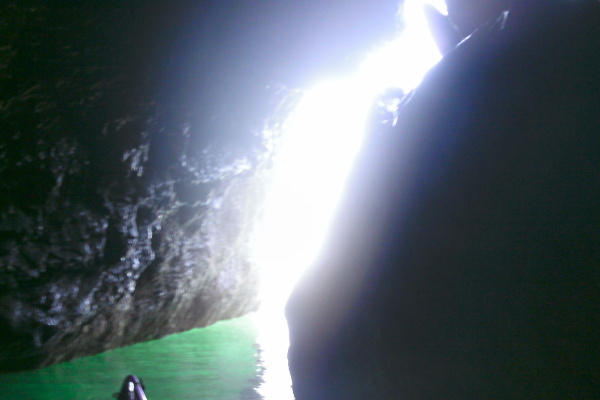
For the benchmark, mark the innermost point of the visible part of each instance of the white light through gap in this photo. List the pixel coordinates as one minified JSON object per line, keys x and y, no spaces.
{"x":321,"y":138}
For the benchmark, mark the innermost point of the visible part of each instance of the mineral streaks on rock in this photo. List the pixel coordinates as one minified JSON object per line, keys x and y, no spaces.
{"x":113,"y":229}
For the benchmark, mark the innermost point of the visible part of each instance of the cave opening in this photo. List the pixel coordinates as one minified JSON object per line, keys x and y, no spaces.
{"x":327,"y":125}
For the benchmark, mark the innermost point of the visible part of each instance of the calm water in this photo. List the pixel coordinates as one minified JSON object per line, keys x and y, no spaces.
{"x":226,"y":361}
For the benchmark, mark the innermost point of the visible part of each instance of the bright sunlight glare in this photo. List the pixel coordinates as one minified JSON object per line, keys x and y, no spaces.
{"x":321,"y":138}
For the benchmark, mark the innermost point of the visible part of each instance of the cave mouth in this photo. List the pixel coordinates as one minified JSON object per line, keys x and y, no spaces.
{"x":321,"y":137}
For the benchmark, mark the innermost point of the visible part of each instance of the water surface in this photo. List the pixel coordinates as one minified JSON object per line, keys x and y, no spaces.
{"x":225,"y":361}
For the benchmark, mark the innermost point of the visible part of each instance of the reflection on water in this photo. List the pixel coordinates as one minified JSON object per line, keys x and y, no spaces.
{"x":225,"y":361}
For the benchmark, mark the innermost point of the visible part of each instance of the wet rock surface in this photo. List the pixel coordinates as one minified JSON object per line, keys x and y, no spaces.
{"x":118,"y":223}
{"x":464,"y":260}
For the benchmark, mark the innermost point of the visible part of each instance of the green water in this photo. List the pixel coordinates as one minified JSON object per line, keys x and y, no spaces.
{"x":220,"y":362}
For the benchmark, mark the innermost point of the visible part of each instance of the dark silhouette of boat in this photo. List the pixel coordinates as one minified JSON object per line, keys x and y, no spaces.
{"x":132,"y":389}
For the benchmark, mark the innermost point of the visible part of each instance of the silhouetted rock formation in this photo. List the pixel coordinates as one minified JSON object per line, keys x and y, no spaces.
{"x":464,"y":261}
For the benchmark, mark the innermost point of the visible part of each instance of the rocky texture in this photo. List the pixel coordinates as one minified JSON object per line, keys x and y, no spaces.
{"x":464,"y":260}
{"x":116,"y":225}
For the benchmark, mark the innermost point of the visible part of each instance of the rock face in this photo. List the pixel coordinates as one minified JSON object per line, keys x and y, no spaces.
{"x":133,"y":163}
{"x":464,"y":261}
{"x":116,"y":225}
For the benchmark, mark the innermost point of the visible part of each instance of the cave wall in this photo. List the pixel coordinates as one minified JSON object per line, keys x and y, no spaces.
{"x":119,"y":223}
{"x":463,"y":262}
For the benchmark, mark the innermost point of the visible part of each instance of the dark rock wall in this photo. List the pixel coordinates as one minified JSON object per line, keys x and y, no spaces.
{"x":464,"y":260}
{"x":114,"y":226}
